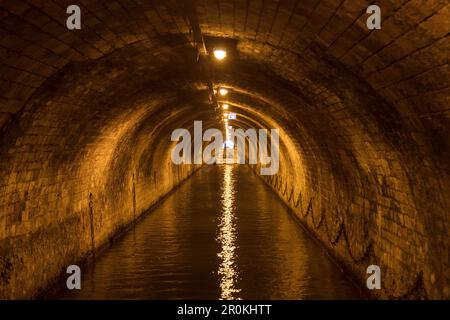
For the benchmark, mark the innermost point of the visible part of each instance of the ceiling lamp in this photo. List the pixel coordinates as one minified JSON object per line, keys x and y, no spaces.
{"x":220,"y":54}
{"x":223,"y":91}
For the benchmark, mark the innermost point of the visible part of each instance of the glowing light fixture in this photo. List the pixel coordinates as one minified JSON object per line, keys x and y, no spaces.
{"x":220,"y":54}
{"x":223,"y":91}
{"x":225,"y":106}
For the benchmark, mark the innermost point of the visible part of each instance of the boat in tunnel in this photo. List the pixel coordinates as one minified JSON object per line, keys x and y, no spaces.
{"x":224,"y":150}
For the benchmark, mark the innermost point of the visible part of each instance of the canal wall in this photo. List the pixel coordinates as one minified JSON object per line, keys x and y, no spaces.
{"x":70,"y":180}
{"x":361,"y":228}
{"x":69,"y":222}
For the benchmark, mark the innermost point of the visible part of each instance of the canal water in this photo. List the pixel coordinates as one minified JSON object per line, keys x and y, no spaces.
{"x":223,"y":234}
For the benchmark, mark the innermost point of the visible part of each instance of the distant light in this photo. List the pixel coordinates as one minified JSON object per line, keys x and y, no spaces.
{"x":231,"y":115}
{"x":225,"y":106}
{"x":220,"y":54}
{"x":223,"y":91}
{"x":225,"y":114}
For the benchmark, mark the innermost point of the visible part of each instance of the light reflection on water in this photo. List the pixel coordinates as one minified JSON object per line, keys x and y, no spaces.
{"x":227,"y":238}
{"x":222,"y":235}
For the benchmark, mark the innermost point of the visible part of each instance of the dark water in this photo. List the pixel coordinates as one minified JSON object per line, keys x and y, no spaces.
{"x":222,"y":235}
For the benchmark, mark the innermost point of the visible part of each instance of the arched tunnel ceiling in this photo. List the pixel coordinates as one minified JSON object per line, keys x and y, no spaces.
{"x":320,"y":49}
{"x":356,"y":107}
{"x":291,"y":37}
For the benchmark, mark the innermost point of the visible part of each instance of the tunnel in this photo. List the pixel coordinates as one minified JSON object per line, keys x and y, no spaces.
{"x":86,"y":118}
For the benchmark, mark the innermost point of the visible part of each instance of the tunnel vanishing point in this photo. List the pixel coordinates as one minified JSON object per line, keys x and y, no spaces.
{"x":363,"y":115}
